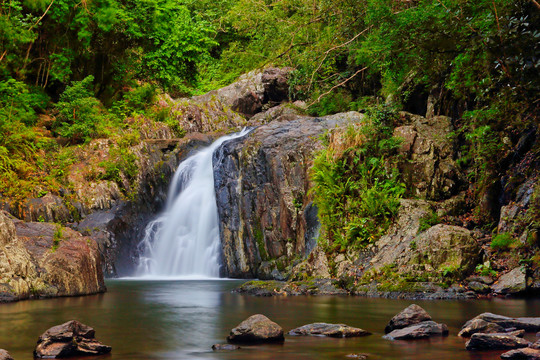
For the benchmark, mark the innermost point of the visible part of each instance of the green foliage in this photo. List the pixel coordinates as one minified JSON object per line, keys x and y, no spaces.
{"x":356,"y":190}
{"x":485,"y":269}
{"x":502,"y":241}
{"x":79,"y":112}
{"x":428,"y":221}
{"x":57,"y":237}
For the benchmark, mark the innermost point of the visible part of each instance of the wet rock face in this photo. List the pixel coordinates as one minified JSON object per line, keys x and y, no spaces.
{"x":411,"y":315}
{"x":495,"y":341}
{"x":68,"y":340}
{"x":262,"y":184}
{"x":330,"y":330}
{"x":256,"y":329}
{"x":45,"y":260}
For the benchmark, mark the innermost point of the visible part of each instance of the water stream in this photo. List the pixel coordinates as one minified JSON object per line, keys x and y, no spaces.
{"x":183,"y":242}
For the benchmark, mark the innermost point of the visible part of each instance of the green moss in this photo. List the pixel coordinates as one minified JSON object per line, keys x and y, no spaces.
{"x":428,"y":221}
{"x":57,"y":237}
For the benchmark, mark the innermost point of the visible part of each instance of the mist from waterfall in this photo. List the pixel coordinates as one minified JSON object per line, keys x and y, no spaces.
{"x":184,"y":242}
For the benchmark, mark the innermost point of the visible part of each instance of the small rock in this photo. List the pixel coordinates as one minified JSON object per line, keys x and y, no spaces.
{"x":411,"y":315}
{"x":256,"y":329}
{"x":495,"y":341}
{"x":69,"y":339}
{"x":479,"y":287}
{"x":481,"y":279}
{"x":522,"y":354}
{"x":228,"y":347}
{"x":357,"y":356}
{"x":536,"y":345}
{"x":512,"y":282}
{"x":479,"y":326}
{"x":4,"y":355}
{"x":421,"y":330}
{"x":331,"y":330}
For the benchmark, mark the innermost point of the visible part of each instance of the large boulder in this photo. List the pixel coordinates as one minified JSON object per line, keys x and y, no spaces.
{"x":513,"y":282}
{"x":479,"y":326}
{"x":413,"y":314}
{"x":495,"y":341}
{"x":529,"y":324}
{"x":421,"y":330}
{"x":262,"y":183}
{"x":69,"y":340}
{"x":44,"y":260}
{"x":256,"y":329}
{"x":330,"y":330}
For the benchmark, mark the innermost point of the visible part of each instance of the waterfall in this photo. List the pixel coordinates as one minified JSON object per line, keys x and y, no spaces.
{"x":184,"y":240}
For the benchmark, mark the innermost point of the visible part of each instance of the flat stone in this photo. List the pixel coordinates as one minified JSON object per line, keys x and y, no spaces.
{"x":413,"y":314}
{"x":522,"y":354}
{"x":256,"y":329}
{"x":357,"y":356}
{"x":331,"y":330}
{"x":421,"y":330}
{"x":495,"y":341}
{"x":68,"y":340}
{"x":479,"y":287}
{"x":226,"y":347}
{"x":529,"y":324}
{"x":479,"y":326}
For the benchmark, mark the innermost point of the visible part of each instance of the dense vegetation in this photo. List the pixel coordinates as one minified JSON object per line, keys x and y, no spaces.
{"x":72,"y":71}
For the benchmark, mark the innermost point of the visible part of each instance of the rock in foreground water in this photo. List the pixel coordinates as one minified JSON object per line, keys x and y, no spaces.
{"x":479,"y":326}
{"x":411,"y":315}
{"x":256,"y":329}
{"x":421,"y":330}
{"x":227,"y":347}
{"x":67,"y":340}
{"x":4,"y":355}
{"x":495,"y":341}
{"x":331,"y":330}
{"x":527,"y":323}
{"x":522,"y":354}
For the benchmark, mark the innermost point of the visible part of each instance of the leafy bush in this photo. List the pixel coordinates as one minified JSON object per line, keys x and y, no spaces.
{"x":502,"y":241}
{"x":357,"y":191}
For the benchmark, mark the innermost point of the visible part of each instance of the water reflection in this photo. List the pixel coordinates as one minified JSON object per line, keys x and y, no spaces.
{"x":182,"y":319}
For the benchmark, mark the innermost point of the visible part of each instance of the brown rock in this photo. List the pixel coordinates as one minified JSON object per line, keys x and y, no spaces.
{"x":256,"y":329}
{"x":478,"y":325}
{"x":495,"y":341}
{"x":330,"y":330}
{"x":528,"y":324}
{"x":413,"y":314}
{"x":522,"y":354}
{"x":67,"y":340}
{"x":421,"y":330}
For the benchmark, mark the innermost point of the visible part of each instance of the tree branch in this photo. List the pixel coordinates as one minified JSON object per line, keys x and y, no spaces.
{"x":336,"y":86}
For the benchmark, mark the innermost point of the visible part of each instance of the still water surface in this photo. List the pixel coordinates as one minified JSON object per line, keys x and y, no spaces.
{"x":182,"y":319}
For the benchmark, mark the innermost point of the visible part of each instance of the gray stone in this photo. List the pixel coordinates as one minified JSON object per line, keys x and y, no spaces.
{"x":528,"y":324}
{"x":256,"y":329}
{"x":479,"y":287}
{"x":4,"y":355}
{"x":421,"y":330}
{"x":330,"y":330}
{"x":495,"y":341}
{"x":513,"y":282}
{"x":226,"y":347}
{"x":413,"y":314}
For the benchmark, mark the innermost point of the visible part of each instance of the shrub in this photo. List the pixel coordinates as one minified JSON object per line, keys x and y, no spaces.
{"x":502,"y":241}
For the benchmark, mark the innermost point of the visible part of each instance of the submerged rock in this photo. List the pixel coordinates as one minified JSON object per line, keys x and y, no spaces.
{"x":522,"y":354}
{"x":4,"y":355}
{"x":330,"y":330}
{"x":256,"y":329}
{"x":68,"y":340}
{"x":478,"y":325}
{"x":226,"y":347}
{"x":413,"y":314}
{"x":495,"y":341}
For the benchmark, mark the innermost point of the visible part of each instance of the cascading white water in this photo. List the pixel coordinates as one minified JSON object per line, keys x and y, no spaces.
{"x":184,"y":240}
